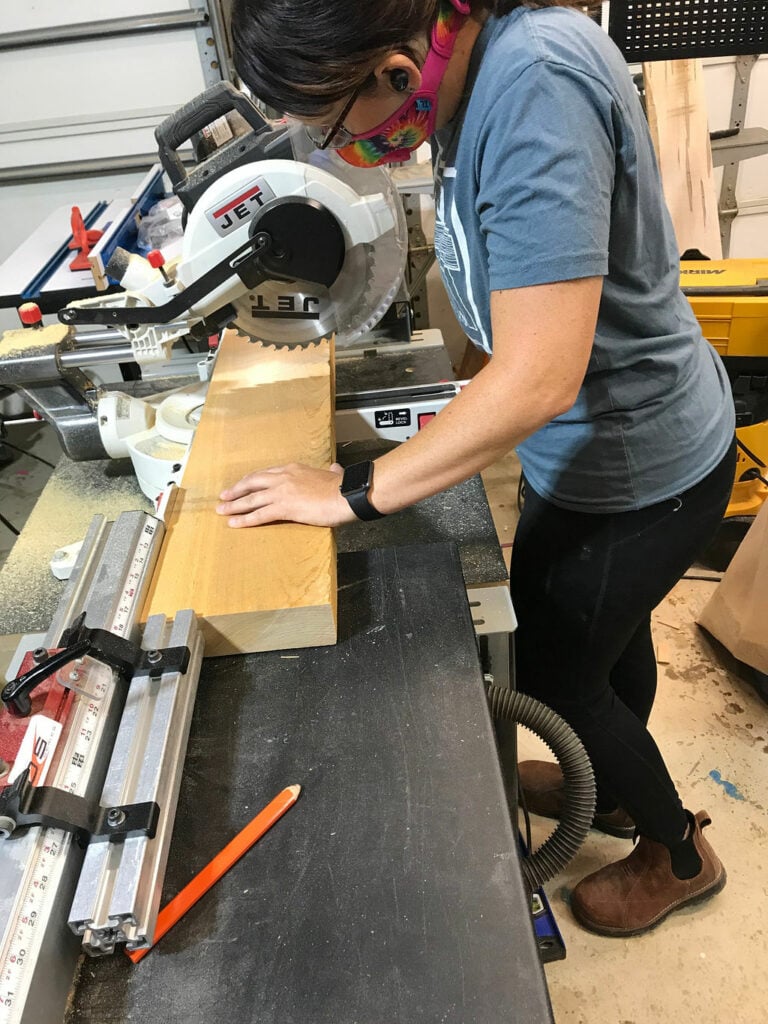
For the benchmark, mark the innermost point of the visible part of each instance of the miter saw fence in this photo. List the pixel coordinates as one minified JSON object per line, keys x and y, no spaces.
{"x":288,"y":251}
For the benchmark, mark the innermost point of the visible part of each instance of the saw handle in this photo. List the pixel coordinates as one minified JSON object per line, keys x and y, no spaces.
{"x":218,"y":101}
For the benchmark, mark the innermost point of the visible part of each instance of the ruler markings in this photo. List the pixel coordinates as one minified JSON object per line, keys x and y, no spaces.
{"x":47,"y":861}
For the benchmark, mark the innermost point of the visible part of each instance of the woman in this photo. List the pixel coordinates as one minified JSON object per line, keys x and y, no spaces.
{"x":560,"y":260}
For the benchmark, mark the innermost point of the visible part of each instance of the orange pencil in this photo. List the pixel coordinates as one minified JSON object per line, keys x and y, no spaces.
{"x":221,"y":863}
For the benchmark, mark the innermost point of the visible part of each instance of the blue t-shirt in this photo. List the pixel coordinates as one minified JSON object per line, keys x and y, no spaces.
{"x":547,"y":173}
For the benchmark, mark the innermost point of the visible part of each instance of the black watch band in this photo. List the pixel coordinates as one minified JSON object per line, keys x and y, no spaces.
{"x":355,"y":484}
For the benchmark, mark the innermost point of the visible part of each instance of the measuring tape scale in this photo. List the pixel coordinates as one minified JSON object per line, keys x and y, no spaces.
{"x":134,"y":577}
{"x":48,"y":858}
{"x":47,"y":862}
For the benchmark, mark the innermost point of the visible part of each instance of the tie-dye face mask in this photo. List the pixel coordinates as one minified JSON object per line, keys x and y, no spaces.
{"x":411,"y":124}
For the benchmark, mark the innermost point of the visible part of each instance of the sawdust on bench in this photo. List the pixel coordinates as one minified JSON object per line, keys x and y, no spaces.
{"x":75,"y":493}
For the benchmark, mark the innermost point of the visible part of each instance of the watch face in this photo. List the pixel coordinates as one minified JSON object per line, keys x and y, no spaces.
{"x":357,"y":477}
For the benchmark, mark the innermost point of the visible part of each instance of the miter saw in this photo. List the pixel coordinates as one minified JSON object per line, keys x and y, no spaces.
{"x":286,"y":250}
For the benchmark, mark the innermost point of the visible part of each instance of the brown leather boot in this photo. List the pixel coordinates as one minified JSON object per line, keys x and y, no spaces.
{"x":635,"y":894}
{"x":544,"y":791}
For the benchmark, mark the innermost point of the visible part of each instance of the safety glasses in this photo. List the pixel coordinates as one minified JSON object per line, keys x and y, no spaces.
{"x":336,"y":136}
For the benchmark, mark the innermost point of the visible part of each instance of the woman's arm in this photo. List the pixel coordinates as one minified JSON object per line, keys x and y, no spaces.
{"x":542,"y":339}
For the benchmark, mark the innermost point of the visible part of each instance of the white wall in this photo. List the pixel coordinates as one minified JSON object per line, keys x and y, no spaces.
{"x":749,"y":236}
{"x":100,"y":98}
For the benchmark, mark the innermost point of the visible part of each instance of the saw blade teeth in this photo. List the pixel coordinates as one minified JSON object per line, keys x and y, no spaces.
{"x":365,"y":288}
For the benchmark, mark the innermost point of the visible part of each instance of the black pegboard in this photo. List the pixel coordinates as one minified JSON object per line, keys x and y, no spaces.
{"x":647,"y":30}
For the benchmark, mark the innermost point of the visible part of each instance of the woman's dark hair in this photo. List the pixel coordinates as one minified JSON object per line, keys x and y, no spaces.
{"x":304,"y":56}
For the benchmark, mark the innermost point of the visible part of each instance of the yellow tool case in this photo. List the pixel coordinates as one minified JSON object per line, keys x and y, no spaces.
{"x":730,"y":300}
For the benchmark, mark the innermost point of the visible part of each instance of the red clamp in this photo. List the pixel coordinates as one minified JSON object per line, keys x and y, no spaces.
{"x":82,"y":238}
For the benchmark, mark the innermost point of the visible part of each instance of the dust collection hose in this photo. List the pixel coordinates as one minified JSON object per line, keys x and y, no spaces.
{"x":576,"y":819}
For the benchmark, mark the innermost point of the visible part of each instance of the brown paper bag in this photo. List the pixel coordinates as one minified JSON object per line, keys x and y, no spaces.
{"x":737,"y":613}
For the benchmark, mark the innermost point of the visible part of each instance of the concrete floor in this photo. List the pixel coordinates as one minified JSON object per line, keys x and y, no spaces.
{"x":705,"y":965}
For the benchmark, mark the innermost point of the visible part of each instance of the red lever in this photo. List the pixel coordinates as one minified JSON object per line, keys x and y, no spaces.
{"x":82,"y":238}
{"x":156,"y":259}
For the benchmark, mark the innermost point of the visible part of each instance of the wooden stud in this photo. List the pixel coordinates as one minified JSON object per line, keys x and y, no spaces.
{"x":268,"y":587}
{"x":677,"y":115}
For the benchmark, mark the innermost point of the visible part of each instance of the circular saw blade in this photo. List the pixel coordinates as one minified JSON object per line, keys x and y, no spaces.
{"x":298,"y":312}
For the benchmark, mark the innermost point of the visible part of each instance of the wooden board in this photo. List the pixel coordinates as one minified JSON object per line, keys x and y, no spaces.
{"x":270,"y":587}
{"x":677,"y":115}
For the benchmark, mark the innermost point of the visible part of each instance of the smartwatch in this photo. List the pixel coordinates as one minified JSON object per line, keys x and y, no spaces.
{"x":355,"y":484}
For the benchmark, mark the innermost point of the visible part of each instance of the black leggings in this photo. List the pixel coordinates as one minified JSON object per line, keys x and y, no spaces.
{"x":583,"y":586}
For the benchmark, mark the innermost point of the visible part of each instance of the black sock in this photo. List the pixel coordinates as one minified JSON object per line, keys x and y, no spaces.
{"x":605,"y":801}
{"x":686,"y":862}
{"x":606,"y":808}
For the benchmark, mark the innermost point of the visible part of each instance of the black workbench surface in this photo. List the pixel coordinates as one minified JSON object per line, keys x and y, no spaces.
{"x":391,"y":893}
{"x":460,"y":515}
{"x":380,"y":368}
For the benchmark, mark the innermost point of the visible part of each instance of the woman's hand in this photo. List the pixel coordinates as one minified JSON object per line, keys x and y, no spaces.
{"x":293,"y":493}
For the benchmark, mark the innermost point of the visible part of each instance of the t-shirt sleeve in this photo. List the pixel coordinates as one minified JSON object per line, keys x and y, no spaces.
{"x":546,"y":169}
